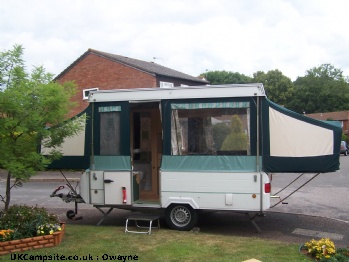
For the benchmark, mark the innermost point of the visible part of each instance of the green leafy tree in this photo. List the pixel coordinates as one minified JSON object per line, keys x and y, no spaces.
{"x":237,"y":139}
{"x":11,"y":67}
{"x":33,"y":112}
{"x":225,"y":77}
{"x":322,"y":89}
{"x":279,"y":88}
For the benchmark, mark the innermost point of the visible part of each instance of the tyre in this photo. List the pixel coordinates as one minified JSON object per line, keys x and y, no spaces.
{"x":181,"y":217}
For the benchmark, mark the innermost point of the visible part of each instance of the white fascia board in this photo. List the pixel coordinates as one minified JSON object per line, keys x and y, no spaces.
{"x":157,"y":94}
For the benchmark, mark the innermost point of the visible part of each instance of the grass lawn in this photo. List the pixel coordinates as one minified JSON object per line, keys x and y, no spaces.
{"x":106,"y":243}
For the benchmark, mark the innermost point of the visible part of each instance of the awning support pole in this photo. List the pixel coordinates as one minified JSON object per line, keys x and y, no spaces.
{"x":258,"y":162}
{"x":281,"y":200}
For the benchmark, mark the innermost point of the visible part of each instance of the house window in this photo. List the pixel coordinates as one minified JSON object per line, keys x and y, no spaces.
{"x":165,"y":84}
{"x":86,"y":92}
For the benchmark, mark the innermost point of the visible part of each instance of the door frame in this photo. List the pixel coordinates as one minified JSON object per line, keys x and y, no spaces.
{"x":155,"y":143}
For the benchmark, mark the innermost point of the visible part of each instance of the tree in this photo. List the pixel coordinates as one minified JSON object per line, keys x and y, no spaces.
{"x":279,"y":88}
{"x":225,"y":77}
{"x":33,"y":112}
{"x":11,"y":66}
{"x":322,"y":89}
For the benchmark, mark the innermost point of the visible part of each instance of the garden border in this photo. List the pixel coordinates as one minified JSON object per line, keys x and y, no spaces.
{"x":25,"y":244}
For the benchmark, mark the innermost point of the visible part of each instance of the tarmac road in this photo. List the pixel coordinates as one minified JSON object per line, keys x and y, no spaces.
{"x":319,"y":209}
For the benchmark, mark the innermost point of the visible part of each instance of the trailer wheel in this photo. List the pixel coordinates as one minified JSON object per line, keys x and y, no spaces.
{"x":181,"y":217}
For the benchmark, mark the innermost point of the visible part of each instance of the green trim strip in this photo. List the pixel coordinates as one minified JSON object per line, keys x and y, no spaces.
{"x":106,"y":109}
{"x":317,"y":164}
{"x":244,"y":164}
{"x":116,"y":163}
{"x":210,"y":105}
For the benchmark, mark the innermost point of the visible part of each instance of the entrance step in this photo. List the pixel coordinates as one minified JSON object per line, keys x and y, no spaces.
{"x":142,"y":217}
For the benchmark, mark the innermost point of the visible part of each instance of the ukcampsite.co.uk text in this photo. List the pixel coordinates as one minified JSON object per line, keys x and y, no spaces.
{"x":57,"y":257}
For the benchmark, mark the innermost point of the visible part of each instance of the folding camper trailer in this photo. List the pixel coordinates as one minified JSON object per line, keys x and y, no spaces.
{"x":186,"y":149}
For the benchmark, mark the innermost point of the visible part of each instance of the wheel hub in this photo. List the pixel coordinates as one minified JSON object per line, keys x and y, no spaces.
{"x":180,"y":216}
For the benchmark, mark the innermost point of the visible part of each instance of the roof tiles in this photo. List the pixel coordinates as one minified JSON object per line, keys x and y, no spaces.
{"x":149,"y":67}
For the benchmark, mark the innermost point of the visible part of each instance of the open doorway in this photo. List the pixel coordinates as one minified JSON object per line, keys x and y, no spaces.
{"x":146,"y":152}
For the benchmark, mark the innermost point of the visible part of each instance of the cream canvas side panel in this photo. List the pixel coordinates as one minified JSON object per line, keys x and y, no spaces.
{"x":290,"y":137}
{"x":72,"y":146}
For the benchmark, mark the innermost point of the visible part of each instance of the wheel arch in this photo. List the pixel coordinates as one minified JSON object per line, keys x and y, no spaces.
{"x":181,"y":201}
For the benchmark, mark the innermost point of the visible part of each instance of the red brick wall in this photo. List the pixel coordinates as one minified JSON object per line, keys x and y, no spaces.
{"x":94,"y":71}
{"x":345,"y":127}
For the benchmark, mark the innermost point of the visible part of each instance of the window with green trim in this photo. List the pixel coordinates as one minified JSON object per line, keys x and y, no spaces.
{"x":109,"y":133}
{"x":210,"y":129}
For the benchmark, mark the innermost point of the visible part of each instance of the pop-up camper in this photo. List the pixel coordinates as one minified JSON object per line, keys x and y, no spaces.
{"x":196,"y":148}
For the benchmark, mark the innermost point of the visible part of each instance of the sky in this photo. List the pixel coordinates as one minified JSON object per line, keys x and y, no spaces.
{"x":191,"y":36}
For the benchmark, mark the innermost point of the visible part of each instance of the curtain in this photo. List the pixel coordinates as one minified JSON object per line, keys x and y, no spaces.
{"x":176,"y":134}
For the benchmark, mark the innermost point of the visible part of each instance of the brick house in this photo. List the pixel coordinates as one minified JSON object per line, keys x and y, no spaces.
{"x":96,"y":70}
{"x":341,"y":116}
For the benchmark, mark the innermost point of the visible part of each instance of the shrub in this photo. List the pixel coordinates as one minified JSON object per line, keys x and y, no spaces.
{"x":24,"y":220}
{"x":237,"y":139}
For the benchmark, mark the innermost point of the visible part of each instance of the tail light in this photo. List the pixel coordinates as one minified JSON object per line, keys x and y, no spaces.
{"x":124,"y":200}
{"x":267,"y":187}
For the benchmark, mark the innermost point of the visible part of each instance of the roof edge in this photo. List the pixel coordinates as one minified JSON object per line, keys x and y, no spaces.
{"x":72,"y":64}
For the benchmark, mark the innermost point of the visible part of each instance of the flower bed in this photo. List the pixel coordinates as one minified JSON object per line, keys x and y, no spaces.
{"x":324,"y":250}
{"x":30,"y":243}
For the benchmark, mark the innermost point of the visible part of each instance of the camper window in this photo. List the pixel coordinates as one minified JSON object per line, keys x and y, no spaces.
{"x":110,"y":133}
{"x":210,"y":131}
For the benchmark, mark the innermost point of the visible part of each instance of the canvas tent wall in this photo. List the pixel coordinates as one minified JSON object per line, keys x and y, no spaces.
{"x":75,"y":150}
{"x":287,"y":141}
{"x":293,"y":143}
